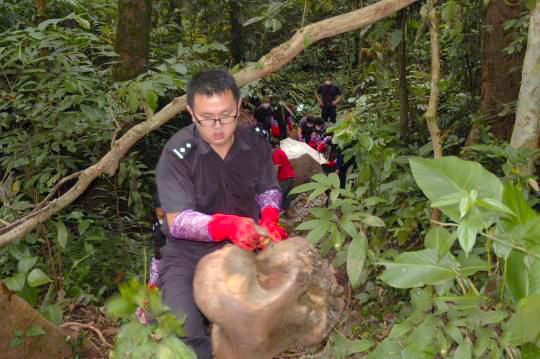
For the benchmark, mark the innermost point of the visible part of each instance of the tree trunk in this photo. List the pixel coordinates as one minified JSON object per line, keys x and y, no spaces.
{"x":527,"y":126}
{"x":236,"y":48}
{"x":132,"y":38}
{"x":500,"y":80}
{"x":403,"y":91}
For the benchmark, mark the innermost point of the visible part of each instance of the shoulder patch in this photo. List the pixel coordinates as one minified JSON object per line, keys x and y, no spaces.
{"x":261,"y":132}
{"x":184,"y":149}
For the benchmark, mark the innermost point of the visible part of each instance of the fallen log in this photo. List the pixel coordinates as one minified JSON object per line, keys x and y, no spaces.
{"x":282,"y":298}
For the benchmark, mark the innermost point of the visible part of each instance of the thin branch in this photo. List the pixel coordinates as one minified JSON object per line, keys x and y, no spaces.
{"x":88,"y":326}
{"x":54,"y":189}
{"x":4,"y":223}
{"x":273,"y":61}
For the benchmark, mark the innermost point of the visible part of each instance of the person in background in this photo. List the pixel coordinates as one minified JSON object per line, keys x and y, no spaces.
{"x":317,"y":134}
{"x":305,"y":128}
{"x":328,"y":96}
{"x":215,"y":180}
{"x":267,"y":118}
{"x":285,"y":173}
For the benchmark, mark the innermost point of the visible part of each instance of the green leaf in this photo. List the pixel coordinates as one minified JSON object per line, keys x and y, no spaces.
{"x":356,"y":257}
{"x":466,"y":236}
{"x":34,"y":331}
{"x":439,"y":239}
{"x":151,"y":99}
{"x":26,"y":263}
{"x":348,"y":226}
{"x":415,"y":269}
{"x":449,"y":176}
{"x":495,"y":205}
{"x":323,"y":213}
{"x":522,"y":280}
{"x":373,"y":221}
{"x":53,"y":313}
{"x":180,"y":68}
{"x":310,"y":186}
{"x":253,"y":20}
{"x":62,"y":234}
{"x":316,"y":234}
{"x":16,"y":283}
{"x":36,"y":278}
{"x":523,"y":327}
{"x":322,"y":179}
{"x":304,"y":226}
{"x":472,"y":264}
{"x":85,"y":24}
{"x":334,"y":180}
{"x":464,"y":350}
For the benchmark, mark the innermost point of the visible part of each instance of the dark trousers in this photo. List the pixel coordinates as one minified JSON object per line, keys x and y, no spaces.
{"x":179,"y":258}
{"x":328,"y":113}
{"x":286,"y":187}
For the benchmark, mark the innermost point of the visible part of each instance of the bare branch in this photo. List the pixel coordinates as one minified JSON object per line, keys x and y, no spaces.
{"x":274,"y":60}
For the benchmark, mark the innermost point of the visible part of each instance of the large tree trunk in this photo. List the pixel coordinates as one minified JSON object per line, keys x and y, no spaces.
{"x":500,"y":79}
{"x":527,"y":126}
{"x":236,"y":48}
{"x":403,"y":91}
{"x":132,"y":43}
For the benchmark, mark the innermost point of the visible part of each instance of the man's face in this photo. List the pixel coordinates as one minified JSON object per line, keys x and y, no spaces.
{"x":212,"y":107}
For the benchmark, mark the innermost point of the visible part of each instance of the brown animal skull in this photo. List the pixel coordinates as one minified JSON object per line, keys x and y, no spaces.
{"x":263,"y":304}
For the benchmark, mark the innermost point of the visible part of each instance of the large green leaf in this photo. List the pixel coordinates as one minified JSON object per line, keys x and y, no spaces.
{"x":523,"y":327}
{"x":356,"y":256}
{"x":522,"y":278}
{"x":415,"y":269}
{"x":450,"y":176}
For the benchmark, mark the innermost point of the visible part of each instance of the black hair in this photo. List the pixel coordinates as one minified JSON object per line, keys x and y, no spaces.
{"x":274,"y":142}
{"x":211,"y":82}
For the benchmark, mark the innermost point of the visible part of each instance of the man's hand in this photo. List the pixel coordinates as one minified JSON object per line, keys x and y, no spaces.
{"x":239,"y":230}
{"x":268,"y":220}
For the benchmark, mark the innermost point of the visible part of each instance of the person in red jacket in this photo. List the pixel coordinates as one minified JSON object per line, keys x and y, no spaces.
{"x":285,"y":174}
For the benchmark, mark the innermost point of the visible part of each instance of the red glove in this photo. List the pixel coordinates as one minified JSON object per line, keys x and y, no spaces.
{"x":320,"y":147}
{"x":239,"y":230}
{"x":268,"y":220}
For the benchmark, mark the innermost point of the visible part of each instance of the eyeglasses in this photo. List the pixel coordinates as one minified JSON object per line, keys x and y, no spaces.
{"x":211,"y":122}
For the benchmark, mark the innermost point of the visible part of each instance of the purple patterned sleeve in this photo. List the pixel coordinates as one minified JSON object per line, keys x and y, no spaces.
{"x":270,"y":198}
{"x":192,"y":225}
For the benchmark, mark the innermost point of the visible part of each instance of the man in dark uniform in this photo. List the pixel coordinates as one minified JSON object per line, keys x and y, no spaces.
{"x":328,"y":96}
{"x":215,"y":179}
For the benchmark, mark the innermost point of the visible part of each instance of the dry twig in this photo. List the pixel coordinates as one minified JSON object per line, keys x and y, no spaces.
{"x":88,"y":326}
